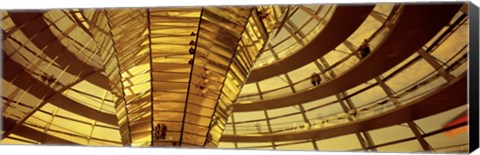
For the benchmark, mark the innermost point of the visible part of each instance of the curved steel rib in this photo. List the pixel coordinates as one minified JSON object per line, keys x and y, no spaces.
{"x":343,"y":23}
{"x":415,"y":27}
{"x":449,"y":96}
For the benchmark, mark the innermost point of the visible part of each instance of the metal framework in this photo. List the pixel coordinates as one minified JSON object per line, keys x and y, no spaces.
{"x":171,"y":76}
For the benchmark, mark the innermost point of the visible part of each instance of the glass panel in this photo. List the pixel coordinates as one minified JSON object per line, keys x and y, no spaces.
{"x":342,"y":143}
{"x":226,"y":145}
{"x":277,"y":93}
{"x":445,"y":140}
{"x":251,"y":145}
{"x":272,"y":83}
{"x":325,"y":112}
{"x":252,"y":127}
{"x":368,"y":96}
{"x":319,"y":102}
{"x":303,"y":72}
{"x":246,"y":116}
{"x":452,"y":44}
{"x":437,"y":121}
{"x":307,"y":146}
{"x":409,"y":146}
{"x":288,"y":122}
{"x":385,"y":135}
{"x":281,"y":111}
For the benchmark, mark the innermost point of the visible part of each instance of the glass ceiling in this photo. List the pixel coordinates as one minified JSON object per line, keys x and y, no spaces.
{"x":409,"y":80}
{"x":303,"y":24}
{"x":108,"y":77}
{"x":339,"y":58}
{"x":128,"y":70}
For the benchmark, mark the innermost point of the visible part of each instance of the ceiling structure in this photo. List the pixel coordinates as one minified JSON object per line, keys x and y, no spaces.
{"x":180,"y":67}
{"x":237,"y":77}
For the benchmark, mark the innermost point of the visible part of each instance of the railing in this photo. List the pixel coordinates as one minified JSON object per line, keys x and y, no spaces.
{"x":450,"y":68}
{"x":371,"y":109}
{"x":452,"y":148}
{"x":375,"y":40}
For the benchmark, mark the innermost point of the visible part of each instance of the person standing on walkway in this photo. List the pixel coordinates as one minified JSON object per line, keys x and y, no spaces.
{"x":315,"y":79}
{"x":365,"y":49}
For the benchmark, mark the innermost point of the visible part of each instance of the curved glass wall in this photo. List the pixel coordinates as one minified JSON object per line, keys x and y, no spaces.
{"x":95,"y":69}
{"x":409,"y":80}
{"x":62,"y":93}
{"x":304,"y":23}
{"x":340,"y":60}
{"x":48,"y":94}
{"x":383,"y":140}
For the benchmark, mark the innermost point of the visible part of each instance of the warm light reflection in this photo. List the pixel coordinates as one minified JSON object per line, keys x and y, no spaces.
{"x":172,"y":77}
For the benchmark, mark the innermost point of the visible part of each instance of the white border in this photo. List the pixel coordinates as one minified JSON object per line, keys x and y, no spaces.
{"x":49,"y":4}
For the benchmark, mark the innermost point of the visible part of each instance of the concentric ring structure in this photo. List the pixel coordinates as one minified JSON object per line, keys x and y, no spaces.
{"x":181,"y":68}
{"x":239,"y":77}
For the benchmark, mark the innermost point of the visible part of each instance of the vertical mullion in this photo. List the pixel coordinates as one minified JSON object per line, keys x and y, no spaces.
{"x":190,"y":79}
{"x":260,"y":94}
{"x":267,"y":119}
{"x":347,"y":107}
{"x":234,"y":129}
{"x":151,"y":77}
{"x":440,"y":69}
{"x":412,"y":125}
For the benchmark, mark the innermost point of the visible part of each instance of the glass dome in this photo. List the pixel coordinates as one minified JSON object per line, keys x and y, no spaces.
{"x":381,"y":78}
